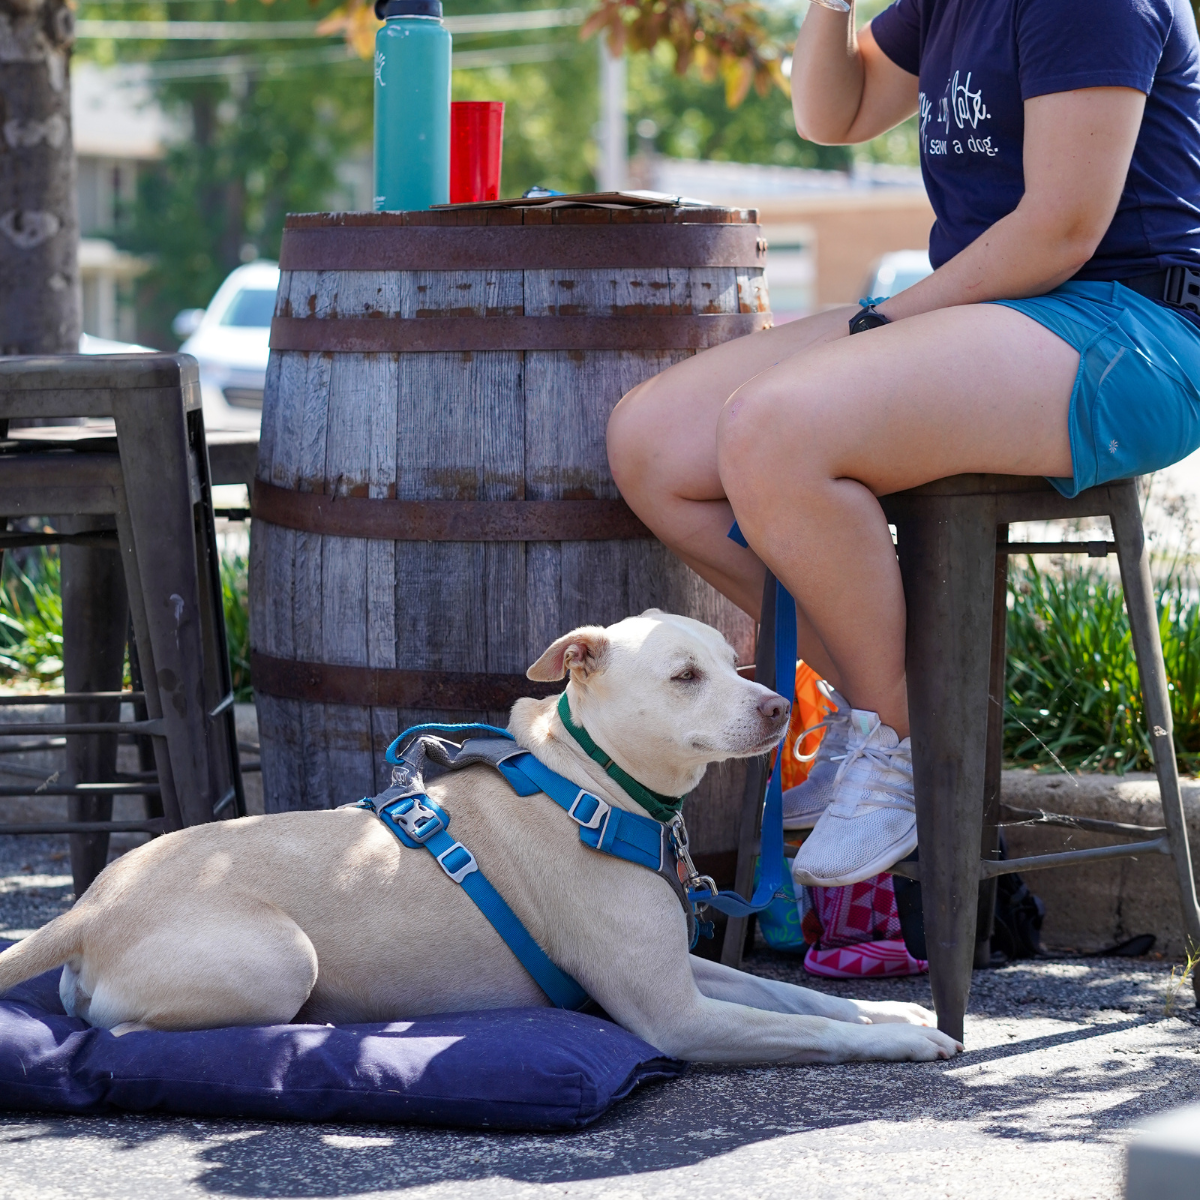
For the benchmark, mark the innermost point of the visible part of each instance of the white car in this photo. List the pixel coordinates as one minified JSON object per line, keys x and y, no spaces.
{"x":896,"y":271}
{"x":230,"y":340}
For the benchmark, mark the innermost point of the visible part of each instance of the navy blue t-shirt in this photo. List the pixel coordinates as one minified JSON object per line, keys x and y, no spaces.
{"x":978,"y":60}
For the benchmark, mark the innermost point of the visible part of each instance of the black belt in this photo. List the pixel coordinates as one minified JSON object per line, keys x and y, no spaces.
{"x":1176,"y":285}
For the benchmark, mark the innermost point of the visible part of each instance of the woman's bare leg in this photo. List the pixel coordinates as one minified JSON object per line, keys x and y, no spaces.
{"x":662,"y":448}
{"x":805,"y":447}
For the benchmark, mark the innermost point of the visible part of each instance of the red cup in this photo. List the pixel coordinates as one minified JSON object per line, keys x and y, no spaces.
{"x":476,"y":137}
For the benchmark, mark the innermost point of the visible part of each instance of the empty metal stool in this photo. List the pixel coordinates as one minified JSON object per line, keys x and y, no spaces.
{"x":128,"y":496}
{"x":952,"y":541}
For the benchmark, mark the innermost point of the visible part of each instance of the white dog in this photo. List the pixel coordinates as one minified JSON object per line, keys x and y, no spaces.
{"x":325,"y":916}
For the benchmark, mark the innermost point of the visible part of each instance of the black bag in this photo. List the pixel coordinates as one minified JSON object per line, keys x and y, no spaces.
{"x":1017,"y":932}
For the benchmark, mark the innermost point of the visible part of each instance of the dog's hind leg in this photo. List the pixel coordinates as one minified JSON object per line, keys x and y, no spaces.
{"x":246,"y":963}
{"x":724,"y":983}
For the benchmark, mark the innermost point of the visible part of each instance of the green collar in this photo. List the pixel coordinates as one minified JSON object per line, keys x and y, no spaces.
{"x":660,"y":807}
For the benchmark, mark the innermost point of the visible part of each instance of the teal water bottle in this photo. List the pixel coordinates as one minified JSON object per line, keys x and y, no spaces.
{"x":412,"y":106}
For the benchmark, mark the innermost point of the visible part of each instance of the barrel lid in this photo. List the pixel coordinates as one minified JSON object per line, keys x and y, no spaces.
{"x":407,"y":8}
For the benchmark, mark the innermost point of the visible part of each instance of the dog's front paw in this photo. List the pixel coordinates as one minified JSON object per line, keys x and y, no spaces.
{"x":903,"y":1043}
{"x":894,"y":1012}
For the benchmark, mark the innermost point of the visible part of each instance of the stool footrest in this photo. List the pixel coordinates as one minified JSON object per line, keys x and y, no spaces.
{"x":155,"y":825}
{"x":145,"y":728}
{"x":1068,"y":858}
{"x":1038,"y":816}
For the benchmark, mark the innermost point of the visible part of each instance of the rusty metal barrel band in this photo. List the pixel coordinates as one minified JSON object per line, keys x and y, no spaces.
{"x":408,"y":335}
{"x":390,"y":520}
{"x":390,"y":687}
{"x":521,"y":247}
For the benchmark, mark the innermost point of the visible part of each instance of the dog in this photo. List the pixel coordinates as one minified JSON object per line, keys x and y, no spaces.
{"x":325,"y":917}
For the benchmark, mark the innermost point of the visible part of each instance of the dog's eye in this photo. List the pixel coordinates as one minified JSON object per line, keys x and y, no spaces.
{"x":686,"y":675}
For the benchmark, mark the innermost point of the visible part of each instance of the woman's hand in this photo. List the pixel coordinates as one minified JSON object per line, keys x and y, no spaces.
{"x":844,"y":88}
{"x":1077,"y":150}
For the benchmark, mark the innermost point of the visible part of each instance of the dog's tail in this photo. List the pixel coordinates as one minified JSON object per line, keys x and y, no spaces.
{"x":48,"y":947}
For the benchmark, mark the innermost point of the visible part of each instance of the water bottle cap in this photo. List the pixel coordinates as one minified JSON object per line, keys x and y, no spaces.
{"x":408,"y":8}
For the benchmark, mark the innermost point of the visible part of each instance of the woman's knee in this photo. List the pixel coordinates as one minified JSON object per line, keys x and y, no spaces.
{"x":756,"y":434}
{"x":629,"y":433}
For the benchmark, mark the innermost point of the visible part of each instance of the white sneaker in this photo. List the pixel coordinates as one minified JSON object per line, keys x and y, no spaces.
{"x":872,"y":821}
{"x":805,"y":802}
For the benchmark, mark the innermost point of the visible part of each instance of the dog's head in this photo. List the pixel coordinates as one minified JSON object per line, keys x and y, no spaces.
{"x":662,"y":695}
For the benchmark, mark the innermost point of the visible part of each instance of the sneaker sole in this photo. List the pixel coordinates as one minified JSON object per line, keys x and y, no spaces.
{"x":887,"y":858}
{"x":791,"y":824}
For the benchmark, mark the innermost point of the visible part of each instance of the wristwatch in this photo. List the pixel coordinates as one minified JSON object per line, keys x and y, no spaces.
{"x":868,"y":317}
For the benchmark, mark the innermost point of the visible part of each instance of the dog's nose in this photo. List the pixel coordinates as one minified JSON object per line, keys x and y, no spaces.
{"x":774,"y":707}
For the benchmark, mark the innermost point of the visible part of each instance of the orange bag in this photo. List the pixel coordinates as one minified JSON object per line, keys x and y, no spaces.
{"x":808,"y":708}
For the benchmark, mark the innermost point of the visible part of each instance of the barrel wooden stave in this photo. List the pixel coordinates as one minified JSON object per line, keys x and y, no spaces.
{"x":492,"y":424}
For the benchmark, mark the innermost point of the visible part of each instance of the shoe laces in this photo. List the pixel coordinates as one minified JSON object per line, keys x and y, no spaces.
{"x":827,"y":722}
{"x":858,"y":750}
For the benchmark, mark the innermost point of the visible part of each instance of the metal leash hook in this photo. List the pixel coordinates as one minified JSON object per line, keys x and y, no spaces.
{"x":679,"y":843}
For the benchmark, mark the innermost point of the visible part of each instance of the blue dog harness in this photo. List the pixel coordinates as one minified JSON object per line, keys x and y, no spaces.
{"x":418,"y":821}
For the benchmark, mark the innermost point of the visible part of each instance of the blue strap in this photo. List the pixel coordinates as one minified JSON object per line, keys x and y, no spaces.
{"x":602,"y":826}
{"x":771,"y":841}
{"x":419,"y":821}
{"x":393,"y":751}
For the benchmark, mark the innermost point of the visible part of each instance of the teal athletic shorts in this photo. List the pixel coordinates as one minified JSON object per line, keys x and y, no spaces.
{"x":1135,"y":407}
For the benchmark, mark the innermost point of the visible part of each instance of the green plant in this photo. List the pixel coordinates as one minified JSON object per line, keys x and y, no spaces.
{"x":31,"y":617}
{"x":237,"y":622}
{"x":1177,"y":982}
{"x":1073,"y":689}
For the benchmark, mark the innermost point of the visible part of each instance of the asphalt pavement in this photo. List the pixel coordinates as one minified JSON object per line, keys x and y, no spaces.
{"x":1065,"y":1057}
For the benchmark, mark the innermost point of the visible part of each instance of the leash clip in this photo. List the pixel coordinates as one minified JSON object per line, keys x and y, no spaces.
{"x":678,"y":834}
{"x":418,"y":820}
{"x":461,"y":866}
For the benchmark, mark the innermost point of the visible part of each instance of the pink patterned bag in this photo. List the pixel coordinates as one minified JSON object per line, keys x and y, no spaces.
{"x":860,"y":933}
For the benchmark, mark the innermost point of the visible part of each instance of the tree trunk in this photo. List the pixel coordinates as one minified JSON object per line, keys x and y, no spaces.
{"x":39,"y":222}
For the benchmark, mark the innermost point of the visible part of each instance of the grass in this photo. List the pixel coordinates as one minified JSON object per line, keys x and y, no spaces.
{"x":31,"y":621}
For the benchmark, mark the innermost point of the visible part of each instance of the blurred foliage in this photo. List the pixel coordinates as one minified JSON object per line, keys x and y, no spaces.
{"x":1073,"y":689}
{"x":267,"y":127}
{"x":31,"y":641}
{"x":234,"y":574}
{"x":256,"y":140}
{"x":739,"y":42}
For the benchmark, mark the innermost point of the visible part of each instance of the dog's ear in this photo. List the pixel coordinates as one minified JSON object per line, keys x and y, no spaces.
{"x":580,"y":650}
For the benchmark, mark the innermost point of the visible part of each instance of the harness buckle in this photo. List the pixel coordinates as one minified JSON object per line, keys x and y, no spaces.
{"x":596,"y":817}
{"x":461,"y":865}
{"x":418,"y":820}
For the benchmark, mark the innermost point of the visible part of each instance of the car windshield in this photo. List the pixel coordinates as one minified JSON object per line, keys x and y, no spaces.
{"x":251,"y":307}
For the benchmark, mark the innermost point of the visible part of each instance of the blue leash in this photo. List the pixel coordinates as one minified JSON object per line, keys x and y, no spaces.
{"x":771,"y":843}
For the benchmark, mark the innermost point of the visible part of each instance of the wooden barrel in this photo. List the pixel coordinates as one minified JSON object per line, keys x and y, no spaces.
{"x":433,"y":505}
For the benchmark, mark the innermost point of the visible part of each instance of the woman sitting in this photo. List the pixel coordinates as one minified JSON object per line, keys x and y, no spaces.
{"x":1060,"y":146}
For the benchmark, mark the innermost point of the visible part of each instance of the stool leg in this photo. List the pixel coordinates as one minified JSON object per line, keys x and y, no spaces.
{"x":948,"y":560}
{"x":158,"y":475}
{"x":1134,"y":559}
{"x":757,"y":774}
{"x":994,"y":762}
{"x":95,"y":614}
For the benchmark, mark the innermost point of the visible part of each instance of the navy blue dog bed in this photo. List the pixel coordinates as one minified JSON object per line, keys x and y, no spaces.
{"x":515,"y":1068}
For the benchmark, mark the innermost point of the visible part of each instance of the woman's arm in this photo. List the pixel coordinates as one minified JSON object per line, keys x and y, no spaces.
{"x":844,"y":88}
{"x":1077,"y":150}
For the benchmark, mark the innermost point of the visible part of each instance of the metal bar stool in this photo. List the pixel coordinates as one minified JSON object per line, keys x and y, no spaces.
{"x":138,"y":487}
{"x":952,"y":542}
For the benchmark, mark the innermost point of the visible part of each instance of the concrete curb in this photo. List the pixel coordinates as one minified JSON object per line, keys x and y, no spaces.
{"x":1100,"y":904}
